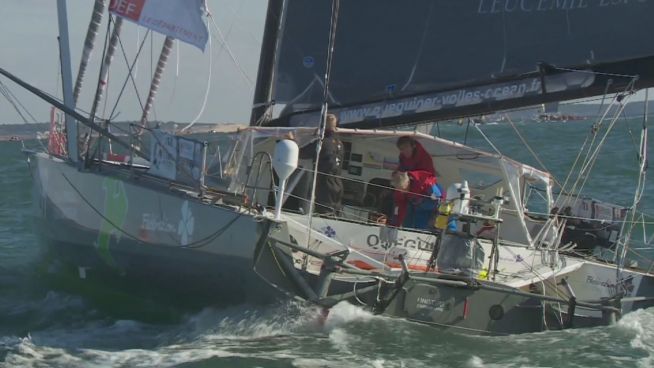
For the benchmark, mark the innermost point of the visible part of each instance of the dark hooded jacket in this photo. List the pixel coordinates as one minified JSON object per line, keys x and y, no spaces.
{"x":329,"y":186}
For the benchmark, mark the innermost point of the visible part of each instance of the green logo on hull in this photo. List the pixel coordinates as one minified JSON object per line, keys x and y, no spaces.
{"x":115,"y":213}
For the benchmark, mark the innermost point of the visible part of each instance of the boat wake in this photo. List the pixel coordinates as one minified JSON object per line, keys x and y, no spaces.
{"x":343,"y":314}
{"x":234,"y":332}
{"x":282,"y":335}
{"x":294,"y":334}
{"x":638,"y":326}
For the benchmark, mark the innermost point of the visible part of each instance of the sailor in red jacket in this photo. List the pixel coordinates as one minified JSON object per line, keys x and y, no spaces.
{"x":413,"y":156}
{"x":416,"y":199}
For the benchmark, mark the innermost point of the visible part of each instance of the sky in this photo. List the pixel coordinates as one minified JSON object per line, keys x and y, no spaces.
{"x":28,"y":40}
{"x":28,"y":44}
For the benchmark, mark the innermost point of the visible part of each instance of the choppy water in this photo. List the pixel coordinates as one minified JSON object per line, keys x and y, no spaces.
{"x":45,"y":323}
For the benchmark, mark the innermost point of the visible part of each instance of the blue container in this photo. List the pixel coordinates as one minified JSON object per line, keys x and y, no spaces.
{"x":451,"y":224}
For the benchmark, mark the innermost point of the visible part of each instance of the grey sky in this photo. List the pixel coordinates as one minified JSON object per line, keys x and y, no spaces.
{"x":28,"y":40}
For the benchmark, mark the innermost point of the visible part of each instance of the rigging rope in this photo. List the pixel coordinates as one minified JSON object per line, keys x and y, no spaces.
{"x":11,"y":98}
{"x":626,"y":76}
{"x":224,"y":46}
{"x":584,"y":173}
{"x":640,"y":189}
{"x":221,"y":38}
{"x":524,"y":141}
{"x":15,"y":102}
{"x":591,"y":156}
{"x":488,"y":140}
{"x":130,"y":75}
{"x":206,"y":91}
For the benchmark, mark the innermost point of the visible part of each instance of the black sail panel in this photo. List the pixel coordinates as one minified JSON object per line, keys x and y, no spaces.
{"x":400,"y":61}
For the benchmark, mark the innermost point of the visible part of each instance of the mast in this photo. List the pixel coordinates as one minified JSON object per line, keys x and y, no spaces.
{"x":67,"y":80}
{"x":263,"y":91}
{"x":156,"y":78}
{"x":325,"y":107}
{"x":89,"y":43}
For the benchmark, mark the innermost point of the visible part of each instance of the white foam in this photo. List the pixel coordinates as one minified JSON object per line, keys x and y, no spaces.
{"x":640,"y":323}
{"x":475,"y":362}
{"x":27,"y":354}
{"x":315,"y":363}
{"x":345,"y":313}
{"x":340,"y":339}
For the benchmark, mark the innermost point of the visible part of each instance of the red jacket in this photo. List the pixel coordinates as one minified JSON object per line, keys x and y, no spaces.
{"x":421,"y":184}
{"x":420,"y":160}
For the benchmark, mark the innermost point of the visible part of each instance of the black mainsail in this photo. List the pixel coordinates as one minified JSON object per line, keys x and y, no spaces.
{"x":398,"y":62}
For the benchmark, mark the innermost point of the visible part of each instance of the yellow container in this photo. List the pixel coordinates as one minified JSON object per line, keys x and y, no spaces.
{"x":443,"y":216}
{"x":441,"y":222}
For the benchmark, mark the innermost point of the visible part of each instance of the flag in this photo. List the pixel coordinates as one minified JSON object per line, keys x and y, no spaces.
{"x":179,"y":19}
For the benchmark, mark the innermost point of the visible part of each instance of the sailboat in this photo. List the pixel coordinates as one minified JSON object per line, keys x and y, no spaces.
{"x":522,"y":278}
{"x":550,"y":113}
{"x":137,"y":207}
{"x":162,"y":210}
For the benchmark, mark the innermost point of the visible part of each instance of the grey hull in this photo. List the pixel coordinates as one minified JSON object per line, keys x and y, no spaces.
{"x":467,"y":309}
{"x":135,"y":229}
{"x":454,"y":302}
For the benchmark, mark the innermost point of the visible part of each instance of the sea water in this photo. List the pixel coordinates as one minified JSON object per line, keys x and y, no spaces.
{"x":55,"y":323}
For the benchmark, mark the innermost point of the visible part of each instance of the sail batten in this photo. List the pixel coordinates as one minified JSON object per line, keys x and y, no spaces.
{"x":106,"y":64}
{"x":438,"y":59}
{"x":89,"y":44}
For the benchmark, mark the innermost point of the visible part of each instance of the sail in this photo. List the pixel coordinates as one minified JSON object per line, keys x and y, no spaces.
{"x":397,"y":62}
{"x":179,"y":19}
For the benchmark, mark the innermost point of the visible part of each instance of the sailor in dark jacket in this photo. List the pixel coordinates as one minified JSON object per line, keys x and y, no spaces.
{"x":329,"y":186}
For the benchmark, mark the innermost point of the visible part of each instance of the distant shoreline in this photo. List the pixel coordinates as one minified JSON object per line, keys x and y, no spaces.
{"x":9,"y":132}
{"x":9,"y":138}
